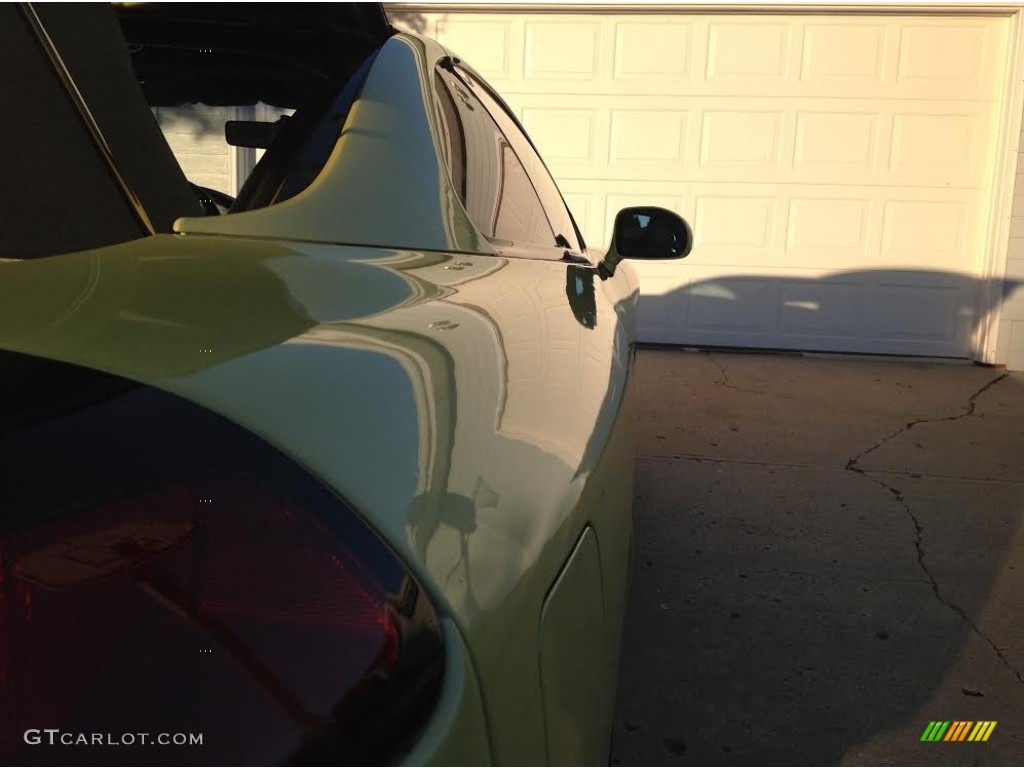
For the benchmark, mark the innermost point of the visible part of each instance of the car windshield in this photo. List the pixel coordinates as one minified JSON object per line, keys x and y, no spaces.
{"x":130,"y":117}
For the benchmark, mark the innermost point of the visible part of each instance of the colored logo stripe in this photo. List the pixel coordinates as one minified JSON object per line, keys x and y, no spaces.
{"x":958,"y":730}
{"x":982,"y":730}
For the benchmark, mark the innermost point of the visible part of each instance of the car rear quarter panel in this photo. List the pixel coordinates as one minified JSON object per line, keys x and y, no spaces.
{"x":386,"y":183}
{"x":456,"y":401}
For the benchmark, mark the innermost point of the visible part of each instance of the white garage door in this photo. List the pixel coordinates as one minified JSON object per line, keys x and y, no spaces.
{"x":836,"y":169}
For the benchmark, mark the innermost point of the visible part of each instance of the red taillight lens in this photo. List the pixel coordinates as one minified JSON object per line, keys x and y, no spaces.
{"x":212,"y":605}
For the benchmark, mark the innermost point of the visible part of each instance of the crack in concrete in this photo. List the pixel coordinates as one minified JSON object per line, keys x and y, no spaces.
{"x":701,"y":459}
{"x":816,"y":575}
{"x":725,"y":380}
{"x":919,"y":548}
{"x":932,"y":581}
{"x":967,"y":410}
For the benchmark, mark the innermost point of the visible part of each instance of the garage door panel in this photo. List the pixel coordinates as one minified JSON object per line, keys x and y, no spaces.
{"x":751,"y":305}
{"x":940,"y":148}
{"x":925,"y":233}
{"x":830,"y":142}
{"x":734,"y":223}
{"x":571,"y":136}
{"x":662,"y":312}
{"x":652,"y":53}
{"x":740,"y":141}
{"x":822,"y":309}
{"x":649,"y":52}
{"x":844,"y":56}
{"x":936,"y":318}
{"x":831,"y":230}
{"x":747,"y":52}
{"x":954,"y":56}
{"x":562,"y":50}
{"x":647,"y":136}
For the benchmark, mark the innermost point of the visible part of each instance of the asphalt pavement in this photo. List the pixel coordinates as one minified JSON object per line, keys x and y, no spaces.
{"x":830,"y":558}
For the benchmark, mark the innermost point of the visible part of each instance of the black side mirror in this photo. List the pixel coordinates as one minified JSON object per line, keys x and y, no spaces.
{"x":647,"y":233}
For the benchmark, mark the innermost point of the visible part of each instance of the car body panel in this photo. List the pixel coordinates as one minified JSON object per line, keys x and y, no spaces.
{"x":457,"y":731}
{"x":412,"y":383}
{"x":384,"y":184}
{"x":574,"y":645}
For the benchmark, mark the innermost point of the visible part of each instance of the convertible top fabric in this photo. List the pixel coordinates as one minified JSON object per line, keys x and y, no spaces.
{"x":59,"y":194}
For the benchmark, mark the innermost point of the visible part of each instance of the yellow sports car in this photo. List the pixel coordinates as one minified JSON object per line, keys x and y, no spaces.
{"x":336,"y":471}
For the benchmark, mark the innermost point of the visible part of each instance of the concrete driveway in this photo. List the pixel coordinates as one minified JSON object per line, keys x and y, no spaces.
{"x":829,"y":557}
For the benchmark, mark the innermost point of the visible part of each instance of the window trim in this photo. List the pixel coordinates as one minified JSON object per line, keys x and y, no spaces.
{"x":454,"y":65}
{"x":446,"y":67}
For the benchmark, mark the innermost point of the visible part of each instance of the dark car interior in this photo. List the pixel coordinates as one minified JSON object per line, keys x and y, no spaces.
{"x":91,"y":167}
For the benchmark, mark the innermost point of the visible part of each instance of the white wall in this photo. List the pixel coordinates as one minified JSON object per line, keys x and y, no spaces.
{"x":196,"y":135}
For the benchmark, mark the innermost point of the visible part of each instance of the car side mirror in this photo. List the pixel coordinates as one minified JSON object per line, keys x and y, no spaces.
{"x":647,"y":233}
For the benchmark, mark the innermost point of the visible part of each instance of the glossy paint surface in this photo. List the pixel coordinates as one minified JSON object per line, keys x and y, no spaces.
{"x":468,"y":399}
{"x":457,"y":401}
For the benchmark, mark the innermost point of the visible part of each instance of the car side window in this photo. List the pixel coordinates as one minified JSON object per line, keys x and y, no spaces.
{"x":550,"y":197}
{"x":486,"y":173}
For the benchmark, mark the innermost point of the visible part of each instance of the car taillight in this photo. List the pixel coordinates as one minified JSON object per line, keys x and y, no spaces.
{"x":212,"y":606}
{"x":251,"y":606}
